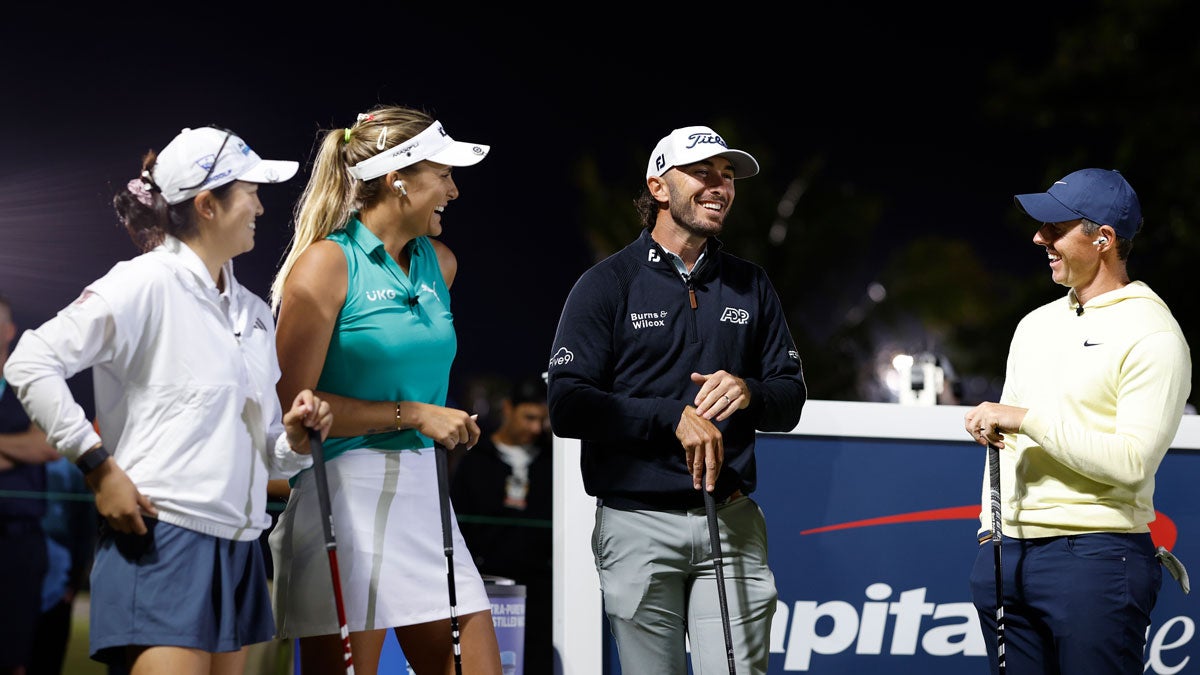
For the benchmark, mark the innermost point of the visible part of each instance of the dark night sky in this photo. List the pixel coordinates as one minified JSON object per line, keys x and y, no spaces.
{"x":891,"y":98}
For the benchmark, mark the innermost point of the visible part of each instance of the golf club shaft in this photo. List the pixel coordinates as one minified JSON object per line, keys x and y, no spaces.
{"x":448,"y":546}
{"x":994,"y":472}
{"x":318,"y":455}
{"x":714,"y":536}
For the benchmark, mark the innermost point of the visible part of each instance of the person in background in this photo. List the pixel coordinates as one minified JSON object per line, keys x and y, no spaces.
{"x":70,"y":523}
{"x":364,"y":318}
{"x":24,"y":453}
{"x":503,"y":491}
{"x":184,"y":368}
{"x":1093,"y":395}
{"x":669,"y":356}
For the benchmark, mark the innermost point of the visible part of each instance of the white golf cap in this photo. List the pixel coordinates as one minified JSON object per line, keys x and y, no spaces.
{"x":693,"y":144}
{"x":433,"y":144}
{"x":189,"y":164}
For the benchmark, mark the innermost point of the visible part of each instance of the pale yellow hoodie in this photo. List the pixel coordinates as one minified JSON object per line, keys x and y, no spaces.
{"x":1105,"y":385}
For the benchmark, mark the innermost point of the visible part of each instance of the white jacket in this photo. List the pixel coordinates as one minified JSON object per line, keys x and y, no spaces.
{"x":184,"y":379}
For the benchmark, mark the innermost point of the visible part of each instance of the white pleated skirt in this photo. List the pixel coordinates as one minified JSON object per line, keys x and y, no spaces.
{"x":387,"y":528}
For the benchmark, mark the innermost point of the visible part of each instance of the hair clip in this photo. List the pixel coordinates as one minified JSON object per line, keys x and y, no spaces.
{"x":137,"y":187}
{"x":382,"y":142}
{"x":148,"y":179}
{"x":364,"y":117}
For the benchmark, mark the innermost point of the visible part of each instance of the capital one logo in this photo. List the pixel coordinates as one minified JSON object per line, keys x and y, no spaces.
{"x":735,"y":315}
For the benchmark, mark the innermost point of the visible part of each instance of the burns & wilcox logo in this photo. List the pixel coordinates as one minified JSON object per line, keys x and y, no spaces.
{"x":648,"y":319}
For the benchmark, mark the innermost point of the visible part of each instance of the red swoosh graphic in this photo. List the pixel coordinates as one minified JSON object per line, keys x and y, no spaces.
{"x":1162,"y":530}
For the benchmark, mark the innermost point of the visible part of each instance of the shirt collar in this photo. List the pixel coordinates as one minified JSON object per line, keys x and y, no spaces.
{"x":362,"y":236}
{"x":365,"y":239}
{"x":191,"y":262}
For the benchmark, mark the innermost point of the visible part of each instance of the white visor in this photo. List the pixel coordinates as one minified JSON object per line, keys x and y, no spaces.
{"x":433,"y":144}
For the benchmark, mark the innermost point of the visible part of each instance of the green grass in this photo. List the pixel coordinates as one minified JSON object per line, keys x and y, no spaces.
{"x":77,"y":661}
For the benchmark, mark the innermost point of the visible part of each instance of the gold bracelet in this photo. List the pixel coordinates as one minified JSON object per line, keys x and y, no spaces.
{"x":398,"y":420}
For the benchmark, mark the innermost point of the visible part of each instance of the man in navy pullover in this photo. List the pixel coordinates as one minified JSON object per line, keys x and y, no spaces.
{"x":669,"y":356}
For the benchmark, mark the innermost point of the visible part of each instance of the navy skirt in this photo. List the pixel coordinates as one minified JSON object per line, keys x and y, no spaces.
{"x":176,"y":587}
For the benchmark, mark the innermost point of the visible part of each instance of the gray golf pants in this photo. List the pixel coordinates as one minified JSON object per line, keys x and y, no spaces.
{"x":660,"y":593}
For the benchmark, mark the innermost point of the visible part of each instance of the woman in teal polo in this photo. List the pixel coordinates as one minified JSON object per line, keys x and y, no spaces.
{"x":363,"y":303}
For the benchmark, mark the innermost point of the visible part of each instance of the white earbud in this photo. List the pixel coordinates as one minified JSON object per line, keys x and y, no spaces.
{"x":1101,"y":240}
{"x":399,"y":185}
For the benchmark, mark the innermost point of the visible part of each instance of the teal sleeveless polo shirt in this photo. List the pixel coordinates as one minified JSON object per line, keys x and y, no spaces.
{"x":394,"y":338}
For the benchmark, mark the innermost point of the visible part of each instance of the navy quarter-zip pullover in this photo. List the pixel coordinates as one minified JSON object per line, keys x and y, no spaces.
{"x":631,"y":333}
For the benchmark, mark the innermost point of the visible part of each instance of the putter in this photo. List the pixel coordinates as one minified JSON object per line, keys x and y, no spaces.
{"x":994,"y":470}
{"x":318,"y":455}
{"x":448,"y":547}
{"x":714,"y":537}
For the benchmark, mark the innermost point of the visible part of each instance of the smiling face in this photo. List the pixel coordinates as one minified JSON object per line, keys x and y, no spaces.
{"x":700,"y":195}
{"x":430,"y":188}
{"x":1074,"y":259}
{"x":232,"y":228}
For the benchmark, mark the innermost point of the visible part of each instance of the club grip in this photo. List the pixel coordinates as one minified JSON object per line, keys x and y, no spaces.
{"x":443,"y":479}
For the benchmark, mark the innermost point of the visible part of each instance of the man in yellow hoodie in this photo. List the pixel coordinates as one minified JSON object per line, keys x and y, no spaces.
{"x":1095,"y":387}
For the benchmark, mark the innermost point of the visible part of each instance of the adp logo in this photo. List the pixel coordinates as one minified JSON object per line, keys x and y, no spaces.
{"x":735,"y":315}
{"x":915,"y":619}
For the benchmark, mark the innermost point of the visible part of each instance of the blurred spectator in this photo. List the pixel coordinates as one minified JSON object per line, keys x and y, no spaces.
{"x":502,"y":490}
{"x":70,"y":523}
{"x":23,"y":455}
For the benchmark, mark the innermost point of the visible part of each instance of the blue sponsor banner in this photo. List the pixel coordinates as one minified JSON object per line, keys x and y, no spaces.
{"x":872,"y":540}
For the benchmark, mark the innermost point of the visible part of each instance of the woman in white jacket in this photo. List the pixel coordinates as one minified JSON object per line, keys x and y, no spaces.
{"x":190,"y":428}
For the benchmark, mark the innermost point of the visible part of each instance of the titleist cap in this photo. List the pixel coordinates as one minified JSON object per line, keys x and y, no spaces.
{"x":191,"y":164}
{"x":693,"y":144}
{"x":1103,"y":196}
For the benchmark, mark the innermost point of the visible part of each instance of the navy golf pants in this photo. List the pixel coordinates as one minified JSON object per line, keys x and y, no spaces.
{"x":1072,"y":605}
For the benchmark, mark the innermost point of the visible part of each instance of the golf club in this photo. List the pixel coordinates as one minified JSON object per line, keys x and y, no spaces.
{"x":318,"y":455}
{"x":448,"y":547}
{"x":994,"y":470}
{"x":714,"y":536}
